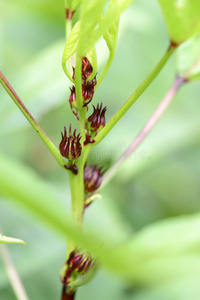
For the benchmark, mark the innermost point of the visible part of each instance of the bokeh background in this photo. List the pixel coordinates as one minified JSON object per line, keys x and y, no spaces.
{"x":159,"y":181}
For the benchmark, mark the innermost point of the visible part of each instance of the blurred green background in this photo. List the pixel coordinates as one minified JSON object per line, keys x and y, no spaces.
{"x":160,"y":180}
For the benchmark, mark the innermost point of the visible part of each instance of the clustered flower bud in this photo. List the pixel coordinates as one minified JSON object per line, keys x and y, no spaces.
{"x":87,"y":86}
{"x":77,"y":264}
{"x":92,"y":178}
{"x":88,"y":90}
{"x":87,"y":68}
{"x":70,"y":146}
{"x":97,"y":120}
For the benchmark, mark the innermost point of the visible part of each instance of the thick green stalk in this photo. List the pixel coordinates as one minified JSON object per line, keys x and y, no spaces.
{"x":132,"y":99}
{"x":52,"y":148}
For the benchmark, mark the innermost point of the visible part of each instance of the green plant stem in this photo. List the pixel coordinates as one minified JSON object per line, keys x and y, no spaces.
{"x":132,"y":99}
{"x":146,"y":129}
{"x":105,"y":70}
{"x":13,"y":276}
{"x":52,"y":148}
{"x":77,"y":194}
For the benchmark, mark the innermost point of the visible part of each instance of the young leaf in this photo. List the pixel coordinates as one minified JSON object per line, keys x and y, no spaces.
{"x":90,"y":37}
{"x":182,"y":18}
{"x":71,"y":47}
{"x":9,"y":240}
{"x":90,"y":16}
{"x":188,"y":57}
{"x":72,"y":4}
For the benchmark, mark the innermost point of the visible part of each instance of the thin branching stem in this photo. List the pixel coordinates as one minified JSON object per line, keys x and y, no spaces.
{"x":11,"y":92}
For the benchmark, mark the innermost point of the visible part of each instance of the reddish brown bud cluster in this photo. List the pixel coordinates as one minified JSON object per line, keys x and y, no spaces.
{"x":78,"y":264}
{"x":92,"y":178}
{"x":87,"y":86}
{"x":97,"y":119}
{"x":88,"y":90}
{"x":87,"y":69}
{"x":70,"y":146}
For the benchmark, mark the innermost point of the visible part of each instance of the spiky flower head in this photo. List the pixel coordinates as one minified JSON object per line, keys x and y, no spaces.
{"x":92,"y":178}
{"x":79,"y":262}
{"x":88,"y":90}
{"x":97,"y":119}
{"x":70,"y":146}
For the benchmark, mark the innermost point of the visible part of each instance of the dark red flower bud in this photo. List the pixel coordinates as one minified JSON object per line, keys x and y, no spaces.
{"x":79,"y":262}
{"x":72,"y":101}
{"x":88,"y":90}
{"x":97,"y":119}
{"x":92,"y":178}
{"x":87,"y":69}
{"x":70,"y":146}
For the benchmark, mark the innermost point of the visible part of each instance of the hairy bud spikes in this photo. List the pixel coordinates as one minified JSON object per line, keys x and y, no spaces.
{"x":97,"y":119}
{"x":79,"y":263}
{"x":88,"y":90}
{"x":70,"y":146}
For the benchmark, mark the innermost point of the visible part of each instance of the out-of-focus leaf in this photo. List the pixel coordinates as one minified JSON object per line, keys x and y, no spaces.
{"x":9,"y":240}
{"x":182,"y":18}
{"x":154,"y":252}
{"x":188,"y":57}
{"x":23,"y":187}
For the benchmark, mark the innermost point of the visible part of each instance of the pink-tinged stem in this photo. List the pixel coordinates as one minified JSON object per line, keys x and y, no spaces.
{"x":146,"y":129}
{"x":52,"y":148}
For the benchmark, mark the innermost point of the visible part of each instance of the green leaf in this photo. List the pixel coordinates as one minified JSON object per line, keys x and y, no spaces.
{"x":111,"y":40}
{"x":90,"y":33}
{"x":72,"y":4}
{"x":154,"y":253}
{"x":188,"y":58}
{"x":9,"y":240}
{"x":90,"y":16}
{"x":182,"y":18}
{"x":22,"y":186}
{"x":71,"y":47}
